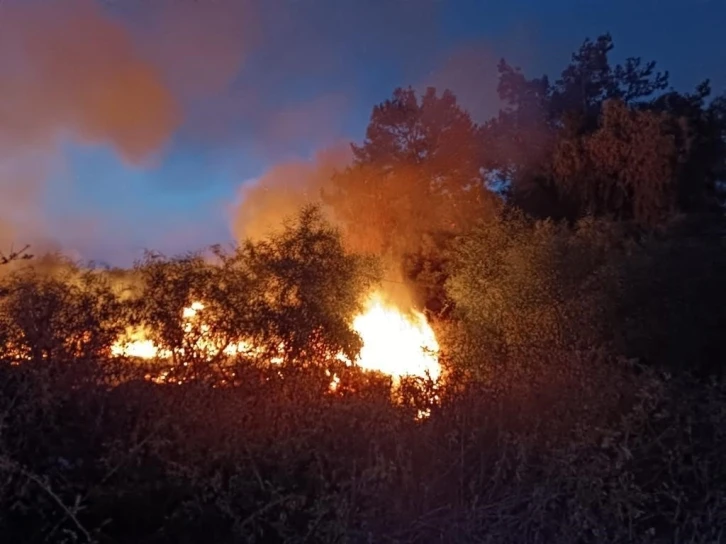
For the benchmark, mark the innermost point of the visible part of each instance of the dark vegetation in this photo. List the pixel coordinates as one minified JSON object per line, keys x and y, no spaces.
{"x":579,"y":315}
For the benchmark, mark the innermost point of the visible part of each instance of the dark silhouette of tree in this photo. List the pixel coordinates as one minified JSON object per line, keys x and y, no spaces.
{"x":70,"y":316}
{"x":418,"y":171}
{"x":702,"y":138}
{"x":15,"y":255}
{"x":577,"y":98}
{"x":605,"y":139}
{"x":416,"y":179}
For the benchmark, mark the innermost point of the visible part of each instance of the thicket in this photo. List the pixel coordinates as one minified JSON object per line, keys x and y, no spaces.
{"x":579,"y":318}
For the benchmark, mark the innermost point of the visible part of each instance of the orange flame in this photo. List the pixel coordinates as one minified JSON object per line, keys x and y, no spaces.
{"x":394,"y":343}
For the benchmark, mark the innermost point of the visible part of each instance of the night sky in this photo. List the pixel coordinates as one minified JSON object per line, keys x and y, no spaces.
{"x":239,"y":86}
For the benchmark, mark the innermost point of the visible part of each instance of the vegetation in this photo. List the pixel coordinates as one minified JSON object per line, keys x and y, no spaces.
{"x":570,"y":256}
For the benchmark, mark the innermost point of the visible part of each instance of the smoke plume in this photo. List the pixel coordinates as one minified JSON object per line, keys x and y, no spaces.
{"x":283,"y":190}
{"x":70,"y":72}
{"x":68,"y":68}
{"x":260,"y":79}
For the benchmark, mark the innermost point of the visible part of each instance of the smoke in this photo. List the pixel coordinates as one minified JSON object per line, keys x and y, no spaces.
{"x":69,"y":68}
{"x":470,"y":72}
{"x":260,"y":79}
{"x":70,"y":72}
{"x":199,"y":47}
{"x":283,"y":190}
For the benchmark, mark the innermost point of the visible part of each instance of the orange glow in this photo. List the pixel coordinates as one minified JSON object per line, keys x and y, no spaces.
{"x":135,"y":345}
{"x":395,"y":343}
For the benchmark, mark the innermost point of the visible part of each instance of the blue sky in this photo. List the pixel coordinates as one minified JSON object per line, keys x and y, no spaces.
{"x":308,"y":75}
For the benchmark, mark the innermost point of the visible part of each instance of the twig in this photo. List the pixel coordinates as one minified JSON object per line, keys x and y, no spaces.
{"x":45,"y":487}
{"x":15,"y":255}
{"x":265,"y":508}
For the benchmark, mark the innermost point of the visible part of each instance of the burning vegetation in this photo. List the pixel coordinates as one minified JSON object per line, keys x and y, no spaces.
{"x":394,"y":342}
{"x":504,"y":333}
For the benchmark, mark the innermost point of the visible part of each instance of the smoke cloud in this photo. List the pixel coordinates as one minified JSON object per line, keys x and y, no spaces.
{"x":283,"y":190}
{"x":69,"y":72}
{"x":68,"y":69}
{"x":470,"y":72}
{"x":268,"y":79}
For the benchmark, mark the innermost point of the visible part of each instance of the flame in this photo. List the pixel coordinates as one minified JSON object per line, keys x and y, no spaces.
{"x":395,"y":343}
{"x":192,"y":310}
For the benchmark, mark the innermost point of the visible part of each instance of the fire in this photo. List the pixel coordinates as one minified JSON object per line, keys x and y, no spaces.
{"x":141,"y":348}
{"x":135,"y":344}
{"x":192,"y":310}
{"x":394,"y":343}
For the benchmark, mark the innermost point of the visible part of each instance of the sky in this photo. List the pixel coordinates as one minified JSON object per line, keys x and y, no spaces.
{"x":135,"y":124}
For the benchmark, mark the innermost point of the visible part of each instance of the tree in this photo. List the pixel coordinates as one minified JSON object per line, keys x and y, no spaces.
{"x":525,"y":288}
{"x":68,"y":316}
{"x":287,"y":298}
{"x":416,"y":179}
{"x":628,"y":168}
{"x":589,"y":81}
{"x":605,"y":140}
{"x":163,"y":308}
{"x":702,"y":137}
{"x":418,"y":171}
{"x":309,"y":287}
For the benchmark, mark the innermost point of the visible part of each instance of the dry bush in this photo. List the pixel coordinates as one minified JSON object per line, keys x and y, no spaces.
{"x":521,"y":286}
{"x":296,"y":289}
{"x":65,"y":319}
{"x":537,"y":434}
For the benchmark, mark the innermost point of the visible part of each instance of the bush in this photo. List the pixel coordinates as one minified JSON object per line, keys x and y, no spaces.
{"x":524,"y":288}
{"x":541,"y":432}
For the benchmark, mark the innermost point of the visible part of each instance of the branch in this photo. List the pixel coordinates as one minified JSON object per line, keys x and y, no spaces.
{"x":7,"y":463}
{"x":15,"y":255}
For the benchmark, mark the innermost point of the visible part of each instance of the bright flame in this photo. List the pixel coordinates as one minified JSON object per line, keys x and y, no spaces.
{"x":135,"y":344}
{"x":394,"y":343}
{"x":192,"y":310}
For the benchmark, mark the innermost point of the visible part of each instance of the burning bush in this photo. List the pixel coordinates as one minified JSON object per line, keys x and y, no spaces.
{"x":255,"y":427}
{"x":66,"y":317}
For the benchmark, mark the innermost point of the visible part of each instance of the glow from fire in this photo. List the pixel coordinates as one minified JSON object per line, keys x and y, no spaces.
{"x":394,"y":343}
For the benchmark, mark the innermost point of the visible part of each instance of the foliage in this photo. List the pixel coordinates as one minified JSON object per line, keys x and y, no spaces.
{"x":539,"y":433}
{"x":310,"y":286}
{"x":417,"y":171}
{"x":69,"y":317}
{"x":585,"y":451}
{"x":602,"y":140}
{"x":672,"y":306}
{"x":524,"y":287}
{"x":296,"y":288}
{"x":604,"y":177}
{"x":415,"y":180}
